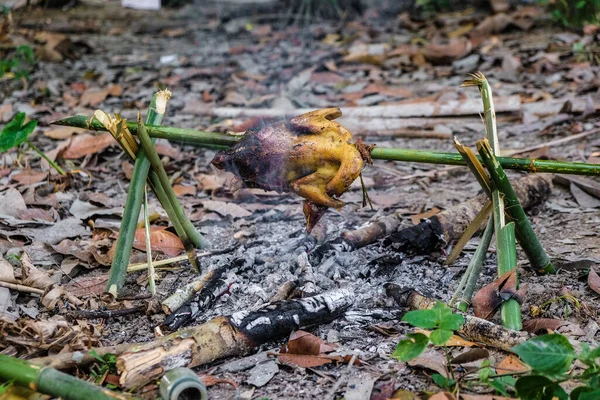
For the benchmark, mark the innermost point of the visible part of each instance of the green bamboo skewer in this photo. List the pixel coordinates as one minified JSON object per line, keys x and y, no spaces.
{"x":219,"y":140}
{"x":524,"y":231}
{"x":50,"y":381}
{"x":510,"y":310}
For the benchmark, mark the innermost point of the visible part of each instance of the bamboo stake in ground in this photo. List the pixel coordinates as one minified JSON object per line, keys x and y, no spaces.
{"x":524,"y":232}
{"x":218,"y":140}
{"x":133,"y":203}
{"x":505,"y":242}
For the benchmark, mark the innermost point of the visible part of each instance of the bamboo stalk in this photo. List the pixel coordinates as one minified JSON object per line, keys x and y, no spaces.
{"x":189,"y":230}
{"x":476,"y":265}
{"x":510,"y":311}
{"x":50,"y":381}
{"x":505,"y":240}
{"x":133,"y":206}
{"x":218,"y":140}
{"x":524,"y":232}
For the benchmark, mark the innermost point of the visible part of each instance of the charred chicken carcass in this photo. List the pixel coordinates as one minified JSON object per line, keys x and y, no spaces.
{"x":310,"y":155}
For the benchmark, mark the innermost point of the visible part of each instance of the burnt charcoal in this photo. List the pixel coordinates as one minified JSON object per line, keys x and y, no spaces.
{"x":424,"y":238}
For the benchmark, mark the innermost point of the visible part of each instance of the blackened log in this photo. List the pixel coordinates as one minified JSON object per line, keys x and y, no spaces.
{"x":223,"y":337}
{"x":434,"y":233}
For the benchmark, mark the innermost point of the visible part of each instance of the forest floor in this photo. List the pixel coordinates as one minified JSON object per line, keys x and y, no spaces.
{"x":214,"y":60}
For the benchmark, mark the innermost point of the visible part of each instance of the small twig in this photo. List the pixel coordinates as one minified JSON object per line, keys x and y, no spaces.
{"x":92,"y":314}
{"x":21,"y":288}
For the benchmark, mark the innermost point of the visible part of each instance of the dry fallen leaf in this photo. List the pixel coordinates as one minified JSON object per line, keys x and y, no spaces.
{"x":307,"y":350}
{"x":511,"y":364}
{"x":454,"y":341}
{"x":83,"y":145}
{"x":29,"y":176}
{"x":63,"y":132}
{"x":432,"y":360}
{"x":181,"y":190}
{"x":541,"y":324}
{"x":594,"y":280}
{"x":160,"y":240}
{"x":470,"y":356}
{"x":416,"y":219}
{"x":443,"y":396}
{"x":487,"y":300}
{"x":32,"y":276}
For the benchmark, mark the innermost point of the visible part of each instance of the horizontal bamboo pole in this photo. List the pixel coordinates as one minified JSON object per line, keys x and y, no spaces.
{"x":201,"y":138}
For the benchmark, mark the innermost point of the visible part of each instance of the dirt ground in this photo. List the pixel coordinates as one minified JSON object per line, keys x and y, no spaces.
{"x":215,"y":55}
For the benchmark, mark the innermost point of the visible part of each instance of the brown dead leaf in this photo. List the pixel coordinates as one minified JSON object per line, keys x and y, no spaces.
{"x":31,"y":276}
{"x":540,"y":324}
{"x":444,"y":51}
{"x":302,"y":342}
{"x":511,"y":364}
{"x":181,"y":190}
{"x":94,"y":96}
{"x":306,"y":350}
{"x":454,"y":341}
{"x":63,"y":132}
{"x":470,"y":356}
{"x":431,"y":359}
{"x":416,"y":219}
{"x":211,"y":380}
{"x":83,"y":145}
{"x":594,"y":280}
{"x":7,"y":272}
{"x":29,"y":176}
{"x":87,"y":285}
{"x":464,"y":396}
{"x":59,"y":297}
{"x":443,"y":396}
{"x":487,"y":300}
{"x":226,"y":209}
{"x":160,"y":240}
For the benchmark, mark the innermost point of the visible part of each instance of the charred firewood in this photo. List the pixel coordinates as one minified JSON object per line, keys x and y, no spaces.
{"x":474,"y":329}
{"x":222,"y":337}
{"x":310,"y":155}
{"x":212,"y":286}
{"x":435,"y":232}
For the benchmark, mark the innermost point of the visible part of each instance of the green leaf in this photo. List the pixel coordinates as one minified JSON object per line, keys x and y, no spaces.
{"x":442,"y":310}
{"x":593,"y":395}
{"x":503,"y":385}
{"x":15,"y":132}
{"x":578,"y":393}
{"x":452,"y":322}
{"x":580,"y":4}
{"x":425,"y":319}
{"x":411,"y":347}
{"x":439,"y":337}
{"x":537,"y":387}
{"x":548,"y":354}
{"x":443,"y":382}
